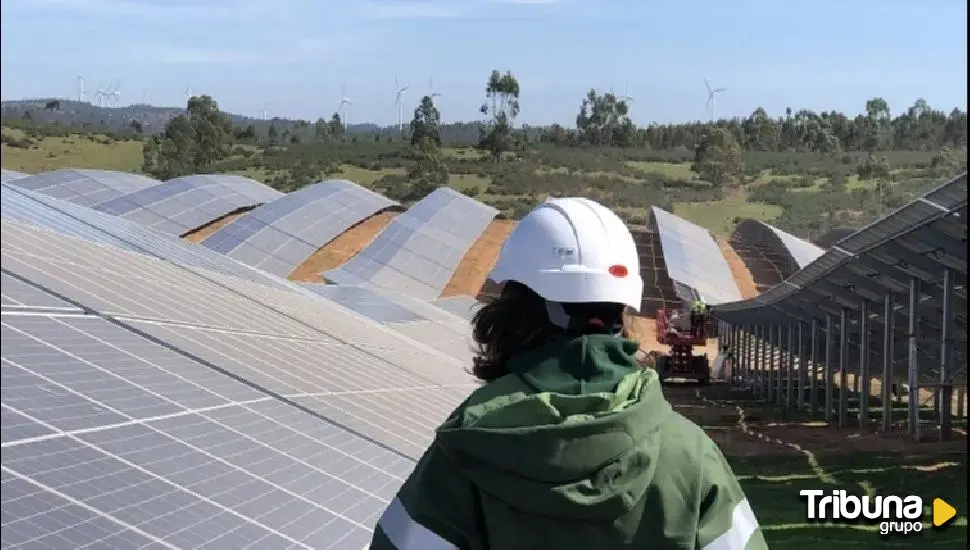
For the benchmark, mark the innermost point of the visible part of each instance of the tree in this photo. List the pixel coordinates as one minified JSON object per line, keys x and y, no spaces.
{"x":502,"y":107}
{"x":604,"y":120}
{"x":336,"y":126}
{"x":191,"y":142}
{"x":136,"y":126}
{"x":429,"y":170}
{"x":718,"y":157}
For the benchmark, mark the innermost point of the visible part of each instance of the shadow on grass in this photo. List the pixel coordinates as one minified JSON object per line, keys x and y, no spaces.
{"x":772,"y":485}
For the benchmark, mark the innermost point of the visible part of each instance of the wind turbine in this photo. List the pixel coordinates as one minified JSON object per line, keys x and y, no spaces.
{"x":626,"y":97}
{"x":80,"y":88}
{"x":115,"y":94}
{"x":397,"y":103}
{"x":344,"y":100}
{"x":434,"y":94}
{"x":102,"y":95}
{"x":712,"y":99}
{"x":265,"y":111}
{"x":188,"y":94}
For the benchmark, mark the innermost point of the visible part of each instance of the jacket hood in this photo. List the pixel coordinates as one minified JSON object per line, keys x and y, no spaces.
{"x":572,"y":433}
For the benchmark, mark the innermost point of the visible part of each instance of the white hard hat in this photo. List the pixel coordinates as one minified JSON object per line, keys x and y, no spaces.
{"x":573,"y":250}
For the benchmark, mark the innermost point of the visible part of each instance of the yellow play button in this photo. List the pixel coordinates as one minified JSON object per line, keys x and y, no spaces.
{"x":942,"y":512}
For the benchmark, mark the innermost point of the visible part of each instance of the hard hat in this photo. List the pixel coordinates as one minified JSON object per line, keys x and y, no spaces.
{"x":572,"y":250}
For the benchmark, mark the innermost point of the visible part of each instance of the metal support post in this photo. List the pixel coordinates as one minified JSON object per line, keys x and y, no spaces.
{"x":888,"y":353}
{"x":865,"y":384}
{"x":772,"y":369}
{"x":790,"y":381}
{"x":829,"y":366}
{"x":913,"y":363}
{"x":813,"y":373}
{"x":802,"y":367}
{"x":843,"y":366}
{"x":946,"y":359}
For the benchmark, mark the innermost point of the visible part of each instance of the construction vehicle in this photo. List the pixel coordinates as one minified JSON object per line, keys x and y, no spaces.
{"x":681,"y":362}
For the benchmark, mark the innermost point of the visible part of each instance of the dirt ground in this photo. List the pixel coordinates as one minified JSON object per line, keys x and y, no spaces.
{"x":742,"y":427}
{"x":199,"y":234}
{"x":740,"y":271}
{"x":344,"y":247}
{"x":479,"y":260}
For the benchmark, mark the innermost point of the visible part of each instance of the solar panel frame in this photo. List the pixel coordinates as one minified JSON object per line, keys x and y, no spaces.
{"x":85,"y":223}
{"x":10,"y":175}
{"x":219,"y":457}
{"x":419,"y":251}
{"x":694,"y":259}
{"x":182,"y":204}
{"x":280,"y":235}
{"x":85,"y":187}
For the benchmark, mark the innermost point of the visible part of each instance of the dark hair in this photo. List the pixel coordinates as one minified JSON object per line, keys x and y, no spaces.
{"x":506,"y":325}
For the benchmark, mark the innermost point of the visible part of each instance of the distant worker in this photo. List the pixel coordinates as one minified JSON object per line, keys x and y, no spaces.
{"x":568,"y":444}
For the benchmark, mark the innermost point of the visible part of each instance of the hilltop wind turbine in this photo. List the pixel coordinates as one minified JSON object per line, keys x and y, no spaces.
{"x":80,"y":88}
{"x":188,"y":94}
{"x":626,"y":97}
{"x":434,"y":94}
{"x":114,"y":94}
{"x":712,"y":99}
{"x":341,"y":107}
{"x":102,"y":95}
{"x":265,"y":111}
{"x":397,"y":103}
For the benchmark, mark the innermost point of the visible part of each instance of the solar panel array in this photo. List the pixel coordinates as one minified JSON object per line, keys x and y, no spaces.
{"x":85,"y":187}
{"x":82,"y":222}
{"x":420,"y":250}
{"x":280,"y":235}
{"x":694,"y":261}
{"x":10,"y":175}
{"x":182,"y":204}
{"x":149,"y":405}
{"x":802,"y":251}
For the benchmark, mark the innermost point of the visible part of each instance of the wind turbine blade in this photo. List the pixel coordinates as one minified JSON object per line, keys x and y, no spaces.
{"x":708,"y":85}
{"x":719,"y":90}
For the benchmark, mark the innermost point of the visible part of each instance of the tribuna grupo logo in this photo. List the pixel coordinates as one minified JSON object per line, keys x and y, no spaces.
{"x":894,"y":514}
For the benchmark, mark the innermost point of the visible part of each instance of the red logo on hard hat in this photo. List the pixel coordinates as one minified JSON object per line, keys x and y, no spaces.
{"x":619,"y":271}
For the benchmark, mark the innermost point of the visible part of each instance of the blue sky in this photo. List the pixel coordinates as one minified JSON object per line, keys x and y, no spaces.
{"x":292,"y":57}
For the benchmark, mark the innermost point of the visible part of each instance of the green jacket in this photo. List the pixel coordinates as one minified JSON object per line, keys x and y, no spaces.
{"x":577,"y":448}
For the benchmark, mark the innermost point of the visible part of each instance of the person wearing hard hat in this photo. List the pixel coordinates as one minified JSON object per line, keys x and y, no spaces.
{"x":568,"y":444}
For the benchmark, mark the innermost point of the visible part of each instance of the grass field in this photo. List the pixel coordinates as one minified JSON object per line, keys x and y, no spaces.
{"x":77,"y":151}
{"x":719,"y":216}
{"x":772,"y":472}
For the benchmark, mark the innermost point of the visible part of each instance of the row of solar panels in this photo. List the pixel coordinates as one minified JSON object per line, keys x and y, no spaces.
{"x":417,"y":253}
{"x":159,"y":394}
{"x":697,"y":266}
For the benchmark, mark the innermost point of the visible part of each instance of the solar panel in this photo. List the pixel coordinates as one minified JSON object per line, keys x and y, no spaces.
{"x":17,"y":294}
{"x":85,"y":187}
{"x":694,"y":260}
{"x":462,"y":306}
{"x":179,"y":205}
{"x":198,"y":410}
{"x":280,"y":235}
{"x":78,"y":221}
{"x":111,"y":440}
{"x":137,"y":287}
{"x":366,"y":302}
{"x":803,"y":252}
{"x":420,"y":250}
{"x":10,"y":175}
